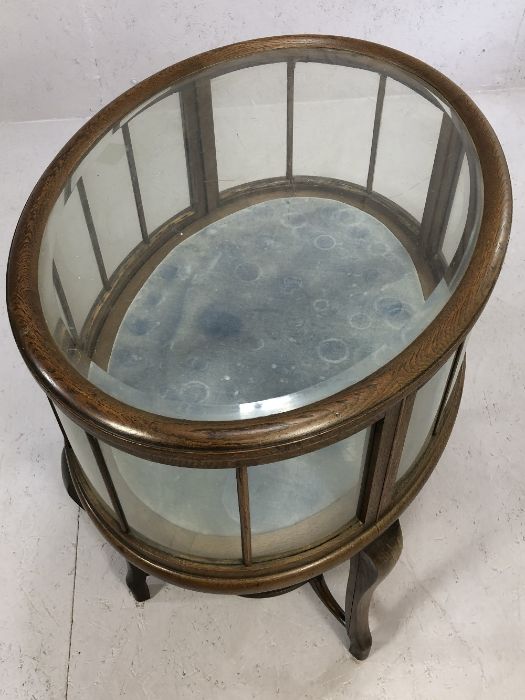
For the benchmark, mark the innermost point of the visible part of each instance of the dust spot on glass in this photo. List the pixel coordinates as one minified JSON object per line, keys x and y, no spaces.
{"x":324,"y":242}
{"x":333,"y":350}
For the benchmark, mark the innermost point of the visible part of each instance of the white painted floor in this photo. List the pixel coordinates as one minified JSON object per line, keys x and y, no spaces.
{"x":448,"y":623}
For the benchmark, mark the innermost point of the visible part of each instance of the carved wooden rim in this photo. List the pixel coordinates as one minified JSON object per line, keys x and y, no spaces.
{"x":258,"y":440}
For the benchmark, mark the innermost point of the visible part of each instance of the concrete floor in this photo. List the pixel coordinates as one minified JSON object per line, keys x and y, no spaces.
{"x":449,"y":622}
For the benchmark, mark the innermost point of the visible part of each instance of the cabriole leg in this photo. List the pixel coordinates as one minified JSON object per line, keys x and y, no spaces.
{"x":367,"y":570}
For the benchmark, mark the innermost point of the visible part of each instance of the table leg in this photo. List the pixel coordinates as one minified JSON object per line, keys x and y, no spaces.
{"x":367,"y":570}
{"x":136,"y":582}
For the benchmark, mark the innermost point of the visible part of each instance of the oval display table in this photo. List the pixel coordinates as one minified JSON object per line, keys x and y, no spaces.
{"x":245,"y":286}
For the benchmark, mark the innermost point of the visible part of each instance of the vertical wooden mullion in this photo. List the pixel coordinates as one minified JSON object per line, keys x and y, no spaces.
{"x":381,"y":438}
{"x":396,"y":450}
{"x":448,"y":387}
{"x":199,"y":144}
{"x":92,"y":232}
{"x":190,"y":130}
{"x":106,"y":476}
{"x":243,"y":496}
{"x":375,"y":134}
{"x":135,"y":182}
{"x":441,"y":188}
{"x":207,"y":142}
{"x":290,"y":79}
{"x":472,"y":212}
{"x":387,"y":440}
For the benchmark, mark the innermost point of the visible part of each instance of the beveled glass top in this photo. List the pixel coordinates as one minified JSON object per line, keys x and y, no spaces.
{"x":277,"y":305}
{"x":260,"y":238}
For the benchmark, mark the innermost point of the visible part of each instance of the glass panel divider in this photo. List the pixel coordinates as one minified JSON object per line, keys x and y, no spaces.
{"x":104,"y":472}
{"x":243,"y":496}
{"x":375,"y":136}
{"x":441,"y":188}
{"x":290,"y":73}
{"x":386,"y":444}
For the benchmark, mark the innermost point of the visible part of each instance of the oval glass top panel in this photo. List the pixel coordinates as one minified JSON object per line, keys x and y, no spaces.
{"x":261,"y":237}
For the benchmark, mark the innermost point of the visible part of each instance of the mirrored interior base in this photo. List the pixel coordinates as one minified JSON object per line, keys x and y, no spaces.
{"x":279,"y":304}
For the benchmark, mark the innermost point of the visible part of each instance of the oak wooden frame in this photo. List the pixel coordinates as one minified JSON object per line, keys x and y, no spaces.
{"x":382,"y":400}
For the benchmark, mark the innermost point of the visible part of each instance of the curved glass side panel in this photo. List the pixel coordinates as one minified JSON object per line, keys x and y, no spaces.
{"x":85,"y":457}
{"x":423,"y":418}
{"x":408,"y":138}
{"x":104,"y":186}
{"x":156,"y":136}
{"x":326,"y":99}
{"x":249,"y":119}
{"x":299,"y":502}
{"x":69,"y":267}
{"x":185,"y":511}
{"x":457,"y":219}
